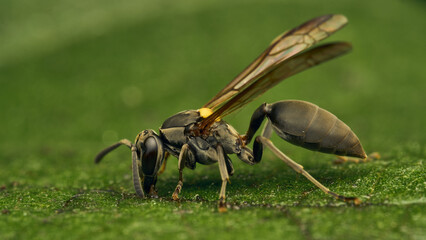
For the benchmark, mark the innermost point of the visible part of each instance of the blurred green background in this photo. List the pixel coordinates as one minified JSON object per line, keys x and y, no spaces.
{"x":76,"y":76}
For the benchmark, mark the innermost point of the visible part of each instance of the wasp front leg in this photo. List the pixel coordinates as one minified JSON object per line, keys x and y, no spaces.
{"x":185,"y":152}
{"x":163,"y":166}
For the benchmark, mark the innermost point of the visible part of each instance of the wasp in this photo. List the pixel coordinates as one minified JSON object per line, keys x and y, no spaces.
{"x":201,"y":136}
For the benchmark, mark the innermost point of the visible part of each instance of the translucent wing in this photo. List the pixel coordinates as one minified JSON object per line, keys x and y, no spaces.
{"x":283,"y":47}
{"x":280,"y":72}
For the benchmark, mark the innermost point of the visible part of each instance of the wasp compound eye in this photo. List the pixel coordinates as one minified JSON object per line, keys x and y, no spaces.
{"x":149,"y":156}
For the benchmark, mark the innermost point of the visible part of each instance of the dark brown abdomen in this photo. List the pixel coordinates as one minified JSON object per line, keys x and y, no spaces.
{"x":309,"y":126}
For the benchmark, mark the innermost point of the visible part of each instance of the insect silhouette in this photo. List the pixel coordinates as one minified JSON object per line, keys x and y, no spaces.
{"x":201,"y":136}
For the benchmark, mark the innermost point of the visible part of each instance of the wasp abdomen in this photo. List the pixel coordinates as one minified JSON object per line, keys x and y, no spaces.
{"x":309,"y":126}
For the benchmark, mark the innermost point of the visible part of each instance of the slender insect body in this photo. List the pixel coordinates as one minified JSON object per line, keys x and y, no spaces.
{"x":201,"y":136}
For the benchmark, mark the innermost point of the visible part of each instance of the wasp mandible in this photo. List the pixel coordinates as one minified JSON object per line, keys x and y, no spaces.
{"x":201,"y":136}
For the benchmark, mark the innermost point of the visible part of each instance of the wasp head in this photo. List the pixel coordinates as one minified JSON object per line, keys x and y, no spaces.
{"x":150,"y":156}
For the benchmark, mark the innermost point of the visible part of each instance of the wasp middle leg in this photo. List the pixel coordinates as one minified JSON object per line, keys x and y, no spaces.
{"x":225,"y":177}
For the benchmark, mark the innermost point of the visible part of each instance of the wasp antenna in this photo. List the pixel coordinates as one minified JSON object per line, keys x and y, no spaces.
{"x":104,"y":152}
{"x":135,"y":173}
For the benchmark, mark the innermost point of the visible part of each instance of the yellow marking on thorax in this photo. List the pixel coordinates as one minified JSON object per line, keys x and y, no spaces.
{"x":205,"y":112}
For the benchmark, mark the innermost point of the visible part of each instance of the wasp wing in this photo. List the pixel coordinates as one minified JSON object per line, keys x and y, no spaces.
{"x":280,"y":72}
{"x":282,"y":47}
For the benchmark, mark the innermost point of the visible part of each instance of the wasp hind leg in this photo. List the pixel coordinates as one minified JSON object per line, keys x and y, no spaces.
{"x":260,"y":141}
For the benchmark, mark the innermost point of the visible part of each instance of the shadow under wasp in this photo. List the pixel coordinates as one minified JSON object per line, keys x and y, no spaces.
{"x":201,"y":136}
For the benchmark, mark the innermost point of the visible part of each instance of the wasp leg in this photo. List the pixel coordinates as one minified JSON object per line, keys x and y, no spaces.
{"x":229,"y":165}
{"x":225,"y":178}
{"x":299,"y":168}
{"x":181,"y":165}
{"x":372,"y":156}
{"x":267,"y":129}
{"x":163,"y":166}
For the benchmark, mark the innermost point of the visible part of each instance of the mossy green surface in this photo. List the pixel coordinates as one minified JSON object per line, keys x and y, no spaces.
{"x":76,"y":76}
